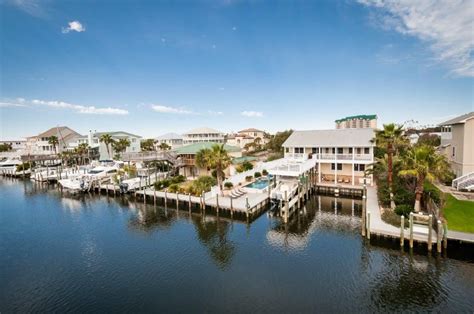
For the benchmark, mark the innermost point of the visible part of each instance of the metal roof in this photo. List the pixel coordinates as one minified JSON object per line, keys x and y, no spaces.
{"x":458,"y":120}
{"x":170,"y":136}
{"x":192,"y":149}
{"x":331,"y":138}
{"x":116,"y":133}
{"x":360,"y":117}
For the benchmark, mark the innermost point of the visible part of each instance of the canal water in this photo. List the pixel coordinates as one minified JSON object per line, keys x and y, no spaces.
{"x":97,"y":253}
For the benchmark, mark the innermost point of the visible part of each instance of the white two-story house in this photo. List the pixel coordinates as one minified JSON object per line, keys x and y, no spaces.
{"x":201,"y":135}
{"x":342,"y":156}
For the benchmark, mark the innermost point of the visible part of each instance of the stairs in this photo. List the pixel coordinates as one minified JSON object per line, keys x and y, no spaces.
{"x":465,"y":182}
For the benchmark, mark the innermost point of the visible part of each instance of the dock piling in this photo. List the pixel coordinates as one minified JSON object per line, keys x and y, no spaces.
{"x":438,"y":237}
{"x":411,"y":230}
{"x":368,"y":225}
{"x":430,"y":224}
{"x":402,"y":231}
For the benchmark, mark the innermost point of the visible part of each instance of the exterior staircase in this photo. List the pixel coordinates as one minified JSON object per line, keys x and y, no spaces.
{"x":465,"y":182}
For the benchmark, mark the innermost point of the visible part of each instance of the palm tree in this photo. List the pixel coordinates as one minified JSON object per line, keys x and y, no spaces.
{"x":423,"y":163}
{"x":53,"y":141}
{"x":215,"y":158}
{"x":148,"y":145}
{"x":121,"y":145}
{"x":82,"y":150}
{"x":389,"y":136}
{"x":164,"y":146}
{"x":108,"y":141}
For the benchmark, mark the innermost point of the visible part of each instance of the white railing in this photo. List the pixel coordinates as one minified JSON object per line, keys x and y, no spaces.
{"x":463,"y":181}
{"x":366,"y":157}
{"x":298,"y":156}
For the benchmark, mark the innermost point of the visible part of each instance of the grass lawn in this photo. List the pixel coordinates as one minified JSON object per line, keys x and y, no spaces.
{"x":459,"y":214}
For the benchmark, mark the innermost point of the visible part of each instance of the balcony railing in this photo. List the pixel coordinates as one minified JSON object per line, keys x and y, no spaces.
{"x":330,"y":157}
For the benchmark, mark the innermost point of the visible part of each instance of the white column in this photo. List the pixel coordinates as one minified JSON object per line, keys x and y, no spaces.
{"x":353,"y":162}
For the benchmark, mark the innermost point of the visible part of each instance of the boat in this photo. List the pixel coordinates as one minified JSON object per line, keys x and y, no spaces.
{"x":100,"y":174}
{"x":9,"y":166}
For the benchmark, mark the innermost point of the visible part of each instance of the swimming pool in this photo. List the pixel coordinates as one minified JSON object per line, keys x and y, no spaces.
{"x":260,"y":184}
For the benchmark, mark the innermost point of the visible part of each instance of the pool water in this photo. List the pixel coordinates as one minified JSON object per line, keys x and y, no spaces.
{"x":259,"y":184}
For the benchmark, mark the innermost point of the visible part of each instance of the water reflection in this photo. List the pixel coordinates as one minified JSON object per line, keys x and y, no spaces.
{"x":320,"y":213}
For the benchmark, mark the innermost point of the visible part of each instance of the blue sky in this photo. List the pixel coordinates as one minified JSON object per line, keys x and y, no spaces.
{"x":153,"y":67}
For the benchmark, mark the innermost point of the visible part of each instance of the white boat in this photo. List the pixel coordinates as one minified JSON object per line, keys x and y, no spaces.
{"x":99,"y":174}
{"x":9,"y":166}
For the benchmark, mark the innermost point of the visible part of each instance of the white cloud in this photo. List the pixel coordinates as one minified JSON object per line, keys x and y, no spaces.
{"x":31,"y":7}
{"x":215,"y":113}
{"x":21,"y":102}
{"x":166,"y":109}
{"x":252,"y":114}
{"x":74,"y":26}
{"x":447,"y":26}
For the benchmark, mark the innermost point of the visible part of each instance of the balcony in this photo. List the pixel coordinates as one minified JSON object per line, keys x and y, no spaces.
{"x":332,"y":157}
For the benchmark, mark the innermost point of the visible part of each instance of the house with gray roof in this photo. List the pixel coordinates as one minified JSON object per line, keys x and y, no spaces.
{"x":173,"y":140}
{"x":342,"y":155}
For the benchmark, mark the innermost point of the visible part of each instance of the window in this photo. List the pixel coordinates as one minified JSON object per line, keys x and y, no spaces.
{"x":340,"y":150}
{"x":359,"y":167}
{"x":287,"y":149}
{"x":454,"y":151}
{"x":350,"y":150}
{"x":299,"y":150}
{"x":358,"y":150}
{"x":333,"y":150}
{"x":314,"y":150}
{"x":327,"y":150}
{"x":366,"y":150}
{"x":339,"y":166}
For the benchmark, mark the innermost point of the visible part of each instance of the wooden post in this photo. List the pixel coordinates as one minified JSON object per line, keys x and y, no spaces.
{"x":204,"y":201}
{"x":364,"y":209}
{"x":231,"y":206}
{"x":189,"y":202}
{"x":368,"y":225}
{"x":247,"y":206}
{"x":298,"y":192}
{"x":144,"y":195}
{"x":177,"y":200}
{"x":166,"y":196}
{"x":402,"y":231}
{"x":411,"y":230}
{"x":445,"y":236}
{"x":287,"y":207}
{"x":154,"y":197}
{"x":438,"y":237}
{"x":430,"y":223}
{"x":217,"y":202}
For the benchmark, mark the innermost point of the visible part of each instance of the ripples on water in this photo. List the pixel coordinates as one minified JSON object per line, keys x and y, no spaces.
{"x":94,"y":253}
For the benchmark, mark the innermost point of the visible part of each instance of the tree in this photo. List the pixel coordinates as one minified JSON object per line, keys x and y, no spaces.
{"x":120,"y":146}
{"x":423,"y":163}
{"x":108,"y":141}
{"x":429,"y":139}
{"x":215,"y":158}
{"x":276,"y":142}
{"x":82,"y":150}
{"x":164,"y":146}
{"x":389,"y":137}
{"x":5,"y":147}
{"x":53,"y":141}
{"x":148,"y":145}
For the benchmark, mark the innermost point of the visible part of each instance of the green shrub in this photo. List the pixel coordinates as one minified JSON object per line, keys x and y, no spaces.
{"x":248,"y":178}
{"x":383,"y":193}
{"x":431,"y":192}
{"x":246,"y":165}
{"x":23,"y":166}
{"x":404,"y":210}
{"x":257,"y":174}
{"x":173,"y":188}
{"x":403,"y":196}
{"x":163,"y":184}
{"x":264,"y":172}
{"x":201,"y":184}
{"x":228,"y":185}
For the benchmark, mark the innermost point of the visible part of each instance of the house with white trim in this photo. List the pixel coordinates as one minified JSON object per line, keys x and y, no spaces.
{"x":341,"y":155}
{"x":201,"y":135}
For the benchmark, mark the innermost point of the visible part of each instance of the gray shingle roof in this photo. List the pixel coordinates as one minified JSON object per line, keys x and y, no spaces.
{"x":331,"y":138}
{"x":460,"y":119}
{"x":170,"y":136}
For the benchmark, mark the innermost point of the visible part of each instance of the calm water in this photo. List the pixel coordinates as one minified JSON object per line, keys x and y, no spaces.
{"x":105,"y":254}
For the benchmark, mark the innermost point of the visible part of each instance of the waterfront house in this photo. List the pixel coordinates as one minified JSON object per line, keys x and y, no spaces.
{"x":93,"y":140}
{"x":201,"y":135}
{"x":341,"y":156}
{"x":187,"y":156}
{"x":357,"y":122}
{"x":247,"y":136}
{"x":16,"y":145}
{"x":173,"y":140}
{"x":457,"y":143}
{"x":39,"y":144}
